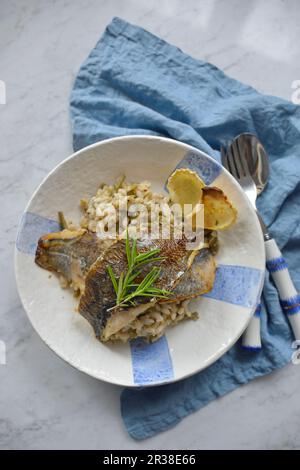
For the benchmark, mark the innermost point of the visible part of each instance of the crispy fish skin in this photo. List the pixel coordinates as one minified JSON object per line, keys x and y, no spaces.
{"x":70,"y":253}
{"x":99,"y":295}
{"x":198,"y":279}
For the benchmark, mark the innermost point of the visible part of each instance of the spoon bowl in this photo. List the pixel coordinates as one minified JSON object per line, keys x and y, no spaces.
{"x":257,"y":159}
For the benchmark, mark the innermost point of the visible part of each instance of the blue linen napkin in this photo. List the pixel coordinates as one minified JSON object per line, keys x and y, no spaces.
{"x":135,"y":83}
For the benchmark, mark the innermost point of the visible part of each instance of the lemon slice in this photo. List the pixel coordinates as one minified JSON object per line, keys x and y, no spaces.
{"x":219,"y":213}
{"x":185,"y":187}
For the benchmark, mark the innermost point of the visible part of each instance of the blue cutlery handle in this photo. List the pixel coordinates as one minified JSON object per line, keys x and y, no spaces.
{"x":289,"y":298}
{"x":251,"y":337}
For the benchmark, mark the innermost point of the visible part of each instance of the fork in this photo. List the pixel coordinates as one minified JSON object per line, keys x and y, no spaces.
{"x":289,"y":298}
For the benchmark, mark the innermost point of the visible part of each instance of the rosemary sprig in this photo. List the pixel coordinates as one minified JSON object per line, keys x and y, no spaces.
{"x":125,"y":288}
{"x":62,"y":220}
{"x":119,"y":183}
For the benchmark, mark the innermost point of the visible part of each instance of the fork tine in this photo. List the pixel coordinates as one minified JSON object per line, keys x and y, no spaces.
{"x":224,"y":157}
{"x":231,"y":165}
{"x":237,"y":159}
{"x":226,"y":163}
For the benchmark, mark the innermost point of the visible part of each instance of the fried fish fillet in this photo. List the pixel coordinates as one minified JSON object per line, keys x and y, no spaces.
{"x":70,"y":253}
{"x":99,"y":295}
{"x":186,"y":274}
{"x":82,"y":258}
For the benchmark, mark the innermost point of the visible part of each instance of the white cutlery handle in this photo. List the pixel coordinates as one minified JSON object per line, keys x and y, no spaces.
{"x":251,"y":337}
{"x":289,"y":298}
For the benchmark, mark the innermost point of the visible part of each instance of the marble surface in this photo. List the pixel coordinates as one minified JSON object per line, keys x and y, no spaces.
{"x":44,"y":403}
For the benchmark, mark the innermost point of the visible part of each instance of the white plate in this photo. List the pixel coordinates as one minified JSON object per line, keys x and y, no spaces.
{"x":185,"y":349}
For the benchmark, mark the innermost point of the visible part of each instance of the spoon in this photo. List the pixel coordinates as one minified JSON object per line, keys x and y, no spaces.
{"x":254,"y":153}
{"x":248,"y":147}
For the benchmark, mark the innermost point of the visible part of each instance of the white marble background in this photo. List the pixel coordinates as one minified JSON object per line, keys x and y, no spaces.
{"x":44,"y":403}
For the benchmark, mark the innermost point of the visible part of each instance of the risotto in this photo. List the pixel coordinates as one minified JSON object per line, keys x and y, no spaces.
{"x":125,"y":200}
